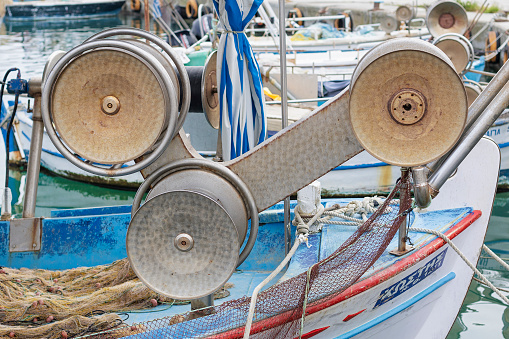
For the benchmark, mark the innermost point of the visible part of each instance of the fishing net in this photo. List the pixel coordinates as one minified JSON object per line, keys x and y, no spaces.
{"x":280,"y":308}
{"x":56,"y":304}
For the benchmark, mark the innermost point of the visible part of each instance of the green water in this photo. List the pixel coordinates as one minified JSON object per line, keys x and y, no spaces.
{"x":482,"y":315}
{"x":27,"y":46}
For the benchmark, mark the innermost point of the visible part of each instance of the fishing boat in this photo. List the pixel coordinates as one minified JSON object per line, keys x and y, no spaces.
{"x":69,"y":9}
{"x":199,"y":230}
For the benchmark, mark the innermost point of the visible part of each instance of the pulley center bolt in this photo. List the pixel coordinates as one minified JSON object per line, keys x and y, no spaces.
{"x":183,"y":242}
{"x":110,"y":105}
{"x":407,"y":106}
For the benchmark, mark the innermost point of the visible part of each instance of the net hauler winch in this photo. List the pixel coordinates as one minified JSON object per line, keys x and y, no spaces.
{"x":446,"y":17}
{"x":458,"y":49}
{"x":193,"y":230}
{"x":184,"y":241}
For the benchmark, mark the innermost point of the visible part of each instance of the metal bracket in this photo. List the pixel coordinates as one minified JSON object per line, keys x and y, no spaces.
{"x":25,"y":235}
{"x":399,"y":253}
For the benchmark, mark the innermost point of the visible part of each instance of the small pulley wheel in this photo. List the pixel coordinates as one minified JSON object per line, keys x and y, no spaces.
{"x":458,"y":49}
{"x":404,"y":13}
{"x":389,"y":24}
{"x":209,"y":91}
{"x":473,"y":89}
{"x":408,"y":105}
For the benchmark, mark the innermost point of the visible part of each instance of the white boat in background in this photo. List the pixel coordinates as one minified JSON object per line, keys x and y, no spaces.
{"x":359,"y":176}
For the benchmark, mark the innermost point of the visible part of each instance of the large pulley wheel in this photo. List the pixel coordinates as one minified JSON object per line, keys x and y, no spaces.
{"x":178,"y":254}
{"x":198,"y":210}
{"x":458,"y":49}
{"x":107,"y":102}
{"x":408,"y":105}
{"x":446,"y":17}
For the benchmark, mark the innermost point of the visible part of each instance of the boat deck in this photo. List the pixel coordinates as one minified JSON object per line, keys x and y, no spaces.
{"x":250,"y":274}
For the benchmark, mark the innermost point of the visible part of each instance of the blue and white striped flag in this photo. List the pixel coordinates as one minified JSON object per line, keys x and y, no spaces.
{"x":241,"y":100}
{"x":156,"y":9}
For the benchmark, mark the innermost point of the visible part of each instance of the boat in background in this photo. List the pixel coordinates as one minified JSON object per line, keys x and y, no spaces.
{"x":58,"y":9}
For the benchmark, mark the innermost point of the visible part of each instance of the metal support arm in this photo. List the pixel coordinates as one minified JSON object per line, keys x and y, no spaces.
{"x":324,"y":138}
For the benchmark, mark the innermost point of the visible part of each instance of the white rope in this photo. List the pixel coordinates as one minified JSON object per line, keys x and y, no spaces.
{"x":496,"y":257}
{"x":462,"y":256}
{"x":302,"y":231}
{"x":367,"y":206}
{"x":257,"y":289}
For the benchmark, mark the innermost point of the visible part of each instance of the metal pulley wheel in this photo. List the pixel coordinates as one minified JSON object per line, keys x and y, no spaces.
{"x":404,"y":13}
{"x":446,"y":17}
{"x":107,"y":102}
{"x":184,"y":241}
{"x":458,"y":49}
{"x":209,"y":91}
{"x":389,"y":24}
{"x":408,"y":105}
{"x":473,"y":90}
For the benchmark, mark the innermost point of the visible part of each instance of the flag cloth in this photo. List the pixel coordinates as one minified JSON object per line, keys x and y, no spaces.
{"x":156,"y":9}
{"x":241,"y":100}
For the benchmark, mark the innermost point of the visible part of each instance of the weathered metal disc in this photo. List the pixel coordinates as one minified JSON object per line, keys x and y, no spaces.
{"x":408,"y":106}
{"x":200,"y":266}
{"x":404,"y":13}
{"x":108,"y":106}
{"x":457,"y":51}
{"x":209,"y":95}
{"x":389,"y":24}
{"x":473,"y":91}
{"x":163,"y":59}
{"x":446,"y":17}
{"x":212,"y":185}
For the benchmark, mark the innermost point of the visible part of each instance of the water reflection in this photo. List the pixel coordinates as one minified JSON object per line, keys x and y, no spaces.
{"x":27,"y":45}
{"x":55,"y":192}
{"x":483,"y":314}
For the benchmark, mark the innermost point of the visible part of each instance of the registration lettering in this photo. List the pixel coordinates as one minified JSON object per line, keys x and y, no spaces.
{"x":411,"y":280}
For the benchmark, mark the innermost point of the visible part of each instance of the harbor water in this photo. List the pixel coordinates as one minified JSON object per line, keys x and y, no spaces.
{"x":28,"y":45}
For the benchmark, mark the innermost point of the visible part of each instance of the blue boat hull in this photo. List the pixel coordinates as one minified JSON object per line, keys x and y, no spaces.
{"x":33,"y":11}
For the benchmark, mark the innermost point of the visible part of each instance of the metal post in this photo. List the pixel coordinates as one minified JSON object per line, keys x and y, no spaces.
{"x":284,"y":110}
{"x":469,"y":139}
{"x":402,"y":233}
{"x":482,"y":101}
{"x":202,"y":307}
{"x":34,"y":161}
{"x":479,"y":105}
